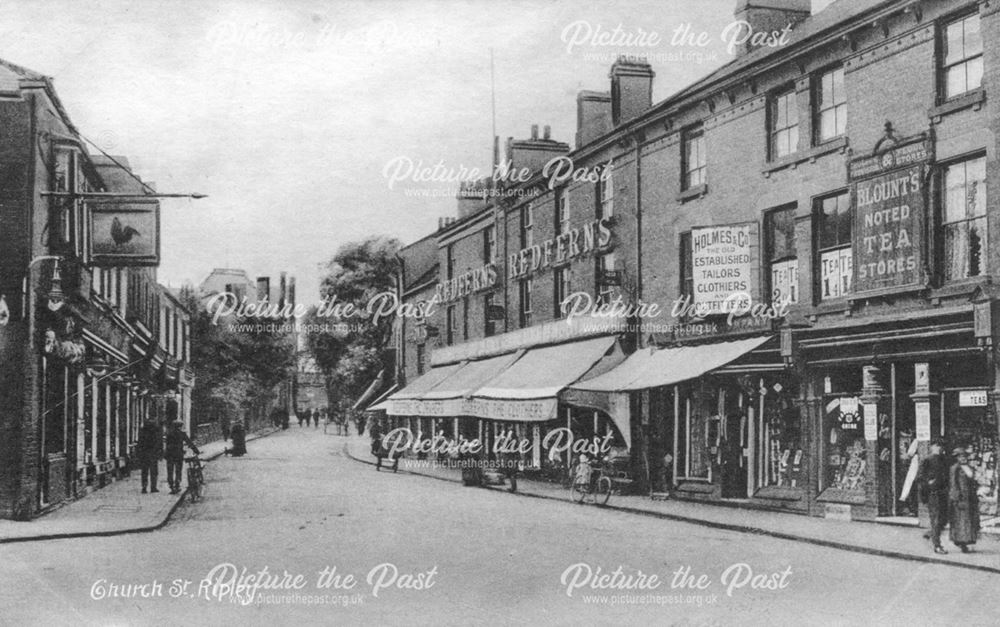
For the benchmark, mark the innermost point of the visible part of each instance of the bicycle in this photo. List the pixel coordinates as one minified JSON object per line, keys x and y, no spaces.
{"x":596,"y":489}
{"x":195,"y":478}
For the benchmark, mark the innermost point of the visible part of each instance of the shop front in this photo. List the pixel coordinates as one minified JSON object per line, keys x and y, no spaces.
{"x":718,"y":420}
{"x":507,"y":389}
{"x":881,"y":396}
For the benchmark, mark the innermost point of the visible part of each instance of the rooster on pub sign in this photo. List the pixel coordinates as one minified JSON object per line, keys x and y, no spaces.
{"x":125,"y":233}
{"x":122,"y":235}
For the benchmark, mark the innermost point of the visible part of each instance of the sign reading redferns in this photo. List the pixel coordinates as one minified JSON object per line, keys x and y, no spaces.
{"x":591,"y":237}
{"x":888,"y":222}
{"x":124,"y":233}
{"x":467,"y":283}
{"x":722,"y":265}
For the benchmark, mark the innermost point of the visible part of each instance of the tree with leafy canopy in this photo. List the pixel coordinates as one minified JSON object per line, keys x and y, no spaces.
{"x":233,"y":369}
{"x":349,"y":350}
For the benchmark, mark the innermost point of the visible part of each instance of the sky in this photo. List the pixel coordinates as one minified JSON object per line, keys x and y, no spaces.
{"x":300,"y":119}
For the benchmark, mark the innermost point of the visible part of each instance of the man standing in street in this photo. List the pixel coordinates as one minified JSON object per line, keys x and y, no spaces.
{"x":933,"y":477}
{"x":148,"y":449}
{"x":176,"y":439}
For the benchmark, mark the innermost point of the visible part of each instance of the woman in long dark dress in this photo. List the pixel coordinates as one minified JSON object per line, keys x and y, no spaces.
{"x":964,"y":515}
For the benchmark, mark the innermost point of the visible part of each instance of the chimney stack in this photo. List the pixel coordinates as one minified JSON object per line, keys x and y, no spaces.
{"x":593,"y":116}
{"x":532,"y":154}
{"x":631,"y":88}
{"x":769,"y":15}
{"x":547,"y":133}
{"x":263,"y":288}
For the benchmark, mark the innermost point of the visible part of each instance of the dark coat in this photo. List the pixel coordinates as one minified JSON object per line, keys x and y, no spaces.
{"x":239,"y":436}
{"x":933,"y":477}
{"x":149,"y":446}
{"x":964,"y":507}
{"x":176,"y":439}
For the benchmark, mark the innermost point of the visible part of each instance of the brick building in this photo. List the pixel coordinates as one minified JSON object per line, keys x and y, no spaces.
{"x":88,"y":350}
{"x":838,"y":185}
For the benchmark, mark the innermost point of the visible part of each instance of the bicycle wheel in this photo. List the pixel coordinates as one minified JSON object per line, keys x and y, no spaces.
{"x":578,"y":492}
{"x":569,"y":478}
{"x":195,"y":482}
{"x":603,"y":491}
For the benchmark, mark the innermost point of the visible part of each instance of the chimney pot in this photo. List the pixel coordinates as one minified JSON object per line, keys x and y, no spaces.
{"x":547,"y":132}
{"x":534,"y":131}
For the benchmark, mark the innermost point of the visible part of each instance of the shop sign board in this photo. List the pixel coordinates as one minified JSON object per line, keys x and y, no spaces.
{"x":533,"y":410}
{"x":123,"y":233}
{"x":592,"y":237}
{"x":475,"y":280}
{"x":722,"y":264}
{"x":972,"y":398}
{"x":889,"y":206}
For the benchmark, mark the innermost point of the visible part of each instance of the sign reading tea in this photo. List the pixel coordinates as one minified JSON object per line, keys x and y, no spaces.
{"x":887,"y":230}
{"x":722,"y":265}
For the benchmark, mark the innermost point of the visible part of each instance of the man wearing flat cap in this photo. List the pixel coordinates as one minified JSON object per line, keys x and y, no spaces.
{"x":933,"y":477}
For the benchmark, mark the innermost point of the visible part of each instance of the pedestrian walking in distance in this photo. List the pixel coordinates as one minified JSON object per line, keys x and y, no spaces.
{"x":379,"y":451}
{"x":148,"y":449}
{"x":315,"y":417}
{"x":174,"y":454}
{"x":933,"y":478}
{"x":964,"y":502}
{"x":301,"y":416}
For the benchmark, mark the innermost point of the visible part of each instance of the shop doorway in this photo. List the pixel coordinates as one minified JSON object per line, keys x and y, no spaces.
{"x":732,"y":466}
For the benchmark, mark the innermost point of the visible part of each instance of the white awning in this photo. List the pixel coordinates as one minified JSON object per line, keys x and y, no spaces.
{"x":373,"y":389}
{"x":650,"y":368}
{"x":380,"y":403}
{"x":528,"y":390}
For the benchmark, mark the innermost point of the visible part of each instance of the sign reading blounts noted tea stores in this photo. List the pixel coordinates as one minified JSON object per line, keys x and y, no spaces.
{"x":124,"y":233}
{"x":888,"y":219}
{"x":722,"y":262}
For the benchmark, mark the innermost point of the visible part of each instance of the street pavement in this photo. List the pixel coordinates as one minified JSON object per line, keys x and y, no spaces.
{"x":115,"y":509}
{"x":343,"y":544}
{"x":888,"y":540}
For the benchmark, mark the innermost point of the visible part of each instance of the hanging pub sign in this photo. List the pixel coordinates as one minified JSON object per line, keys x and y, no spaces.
{"x":723,"y":259}
{"x":123,"y":233}
{"x":889,"y":206}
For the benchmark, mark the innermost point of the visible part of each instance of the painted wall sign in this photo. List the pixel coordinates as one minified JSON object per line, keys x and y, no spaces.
{"x":124,"y":233}
{"x":888,"y":230}
{"x":467,"y":283}
{"x":722,"y":262}
{"x":589,"y":238}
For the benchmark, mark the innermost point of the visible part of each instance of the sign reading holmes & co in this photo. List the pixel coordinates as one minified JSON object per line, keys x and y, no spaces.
{"x":889,"y":207}
{"x":723,"y":259}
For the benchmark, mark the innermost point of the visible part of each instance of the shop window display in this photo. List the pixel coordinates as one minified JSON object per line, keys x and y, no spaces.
{"x":846,"y":464}
{"x":971,"y":426}
{"x":782,"y":436}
